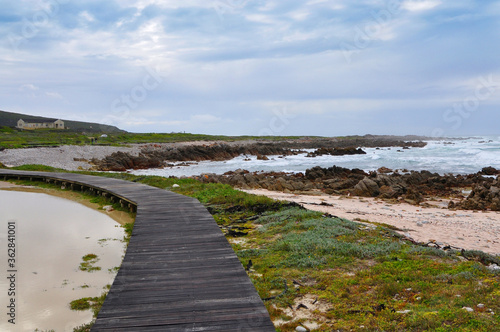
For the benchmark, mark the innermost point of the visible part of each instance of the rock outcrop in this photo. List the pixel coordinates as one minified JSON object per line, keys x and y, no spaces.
{"x":154,"y":156}
{"x":484,"y":196}
{"x":367,"y":187}
{"x":157,"y":155}
{"x":412,"y":187}
{"x":335,"y":152}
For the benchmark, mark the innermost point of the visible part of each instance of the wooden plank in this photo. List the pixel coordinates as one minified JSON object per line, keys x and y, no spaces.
{"x":179,"y":273}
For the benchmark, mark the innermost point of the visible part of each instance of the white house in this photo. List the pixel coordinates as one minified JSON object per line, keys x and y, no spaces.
{"x":56,"y":124}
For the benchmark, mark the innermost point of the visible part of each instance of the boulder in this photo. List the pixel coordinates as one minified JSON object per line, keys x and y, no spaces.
{"x":261,"y":157}
{"x":384,"y":170}
{"x":414,"y":196}
{"x":298,"y":185}
{"x":489,"y":171}
{"x":367,"y":187}
{"x":335,"y":152}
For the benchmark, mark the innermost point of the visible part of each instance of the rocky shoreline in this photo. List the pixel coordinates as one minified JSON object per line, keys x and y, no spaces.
{"x":410,"y":187}
{"x":160,"y":155}
{"x":480,"y":191}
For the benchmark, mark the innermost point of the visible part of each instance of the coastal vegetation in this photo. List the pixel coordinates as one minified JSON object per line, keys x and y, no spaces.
{"x":326,"y":273}
{"x":11,"y":138}
{"x":10,"y":120}
{"x":88,"y":263}
{"x":89,"y":303}
{"x":93,"y":303}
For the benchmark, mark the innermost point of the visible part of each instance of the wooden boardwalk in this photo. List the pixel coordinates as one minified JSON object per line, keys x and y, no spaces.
{"x":179,"y":272}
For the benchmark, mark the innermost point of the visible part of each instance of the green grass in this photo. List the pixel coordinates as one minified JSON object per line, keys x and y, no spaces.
{"x":12,"y":138}
{"x":89,"y":303}
{"x":88,"y":263}
{"x":84,"y":327}
{"x":38,"y":168}
{"x":89,"y":257}
{"x":86,"y":303}
{"x":361,"y":276}
{"x":128,"y":227}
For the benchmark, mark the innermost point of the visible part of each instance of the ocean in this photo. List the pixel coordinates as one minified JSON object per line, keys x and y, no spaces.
{"x":456,"y":156}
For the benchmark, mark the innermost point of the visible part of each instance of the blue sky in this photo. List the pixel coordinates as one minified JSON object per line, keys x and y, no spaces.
{"x":250,"y":67}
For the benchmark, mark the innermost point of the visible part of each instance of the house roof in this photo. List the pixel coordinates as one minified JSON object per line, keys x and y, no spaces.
{"x":38,"y":120}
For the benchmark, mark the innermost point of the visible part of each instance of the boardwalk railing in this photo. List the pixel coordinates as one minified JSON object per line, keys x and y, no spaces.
{"x":179,"y":272}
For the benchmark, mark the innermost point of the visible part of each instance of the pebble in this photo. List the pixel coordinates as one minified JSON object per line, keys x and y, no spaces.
{"x":494,"y":267}
{"x":108,"y":208}
{"x":175,"y":186}
{"x":469,"y":309}
{"x":403,"y":311}
{"x":480,"y":305}
{"x":300,"y":329}
{"x":63,"y":157}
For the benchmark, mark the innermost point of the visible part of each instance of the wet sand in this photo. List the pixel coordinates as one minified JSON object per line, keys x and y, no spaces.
{"x":463,"y":229}
{"x":52,"y":235}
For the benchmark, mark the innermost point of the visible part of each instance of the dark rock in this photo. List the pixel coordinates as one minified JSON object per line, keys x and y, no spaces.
{"x":489,"y":171}
{"x":261,"y":157}
{"x":367,"y":187}
{"x":485,"y":195}
{"x":414,"y":196}
{"x":153,"y":156}
{"x":337,"y":180}
{"x":335,"y":152}
{"x":384,"y":170}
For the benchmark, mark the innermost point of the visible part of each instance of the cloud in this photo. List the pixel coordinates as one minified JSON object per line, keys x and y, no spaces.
{"x":28,"y":87}
{"x":227,"y":66}
{"x":85,"y":16}
{"x":420,"y":5}
{"x":53,"y":95}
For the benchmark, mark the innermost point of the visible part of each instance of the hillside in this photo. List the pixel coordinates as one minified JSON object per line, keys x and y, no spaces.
{"x":9,"y":119}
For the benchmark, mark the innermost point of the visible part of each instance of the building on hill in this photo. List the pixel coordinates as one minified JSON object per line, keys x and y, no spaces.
{"x":55,"y":124}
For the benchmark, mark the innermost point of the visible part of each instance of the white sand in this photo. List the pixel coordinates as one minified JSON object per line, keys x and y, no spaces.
{"x":463,"y":229}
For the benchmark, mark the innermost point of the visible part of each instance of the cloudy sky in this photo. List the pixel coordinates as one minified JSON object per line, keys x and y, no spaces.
{"x":256,"y":67}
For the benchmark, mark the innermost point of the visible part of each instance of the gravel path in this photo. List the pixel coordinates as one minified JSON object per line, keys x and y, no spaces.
{"x":61,"y":157}
{"x":64,"y":156}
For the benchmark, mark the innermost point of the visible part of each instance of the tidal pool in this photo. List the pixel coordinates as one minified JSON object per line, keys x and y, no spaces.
{"x":52,"y":235}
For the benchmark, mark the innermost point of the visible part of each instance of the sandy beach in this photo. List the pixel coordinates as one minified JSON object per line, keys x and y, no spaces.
{"x":463,"y":229}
